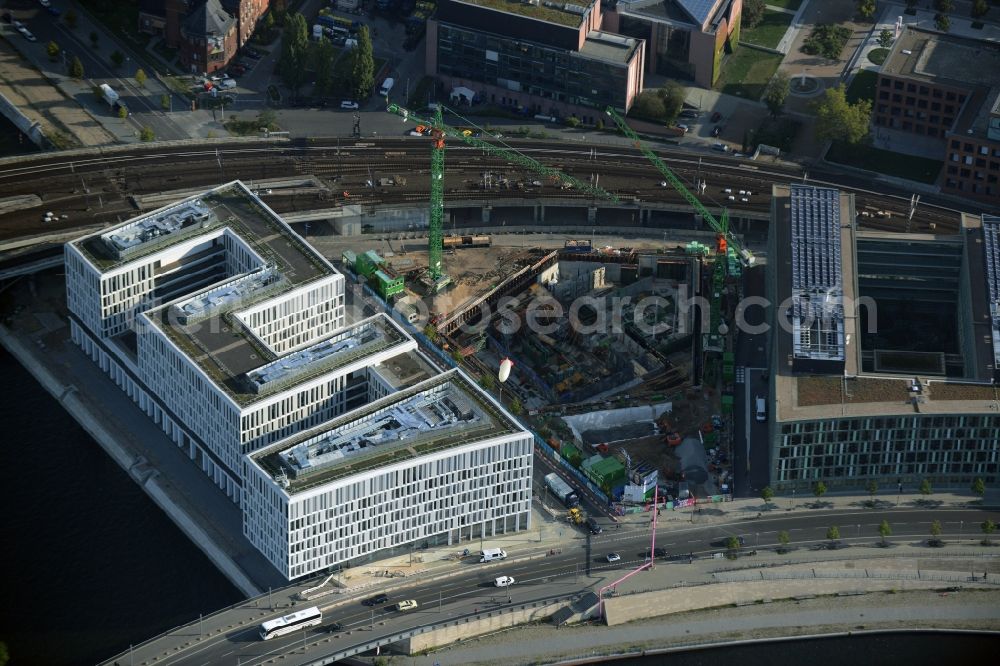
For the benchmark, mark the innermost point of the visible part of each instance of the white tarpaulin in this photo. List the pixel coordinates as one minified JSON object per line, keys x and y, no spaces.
{"x":462,"y":94}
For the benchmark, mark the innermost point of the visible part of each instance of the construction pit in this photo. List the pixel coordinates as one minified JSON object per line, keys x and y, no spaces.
{"x":593,"y":333}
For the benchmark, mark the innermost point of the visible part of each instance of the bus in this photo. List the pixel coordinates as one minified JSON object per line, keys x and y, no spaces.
{"x":309,"y":617}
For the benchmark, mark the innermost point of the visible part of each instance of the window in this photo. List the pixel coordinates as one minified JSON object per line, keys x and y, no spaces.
{"x":955,"y":144}
{"x":924,"y":90}
{"x":935,"y":106}
{"x":911,"y":101}
{"x":885,"y":83}
{"x":883,"y":95}
{"x":936,"y":94}
{"x":910,"y":87}
{"x":897,"y":85}
{"x":896,"y":97}
{"x":950,"y":96}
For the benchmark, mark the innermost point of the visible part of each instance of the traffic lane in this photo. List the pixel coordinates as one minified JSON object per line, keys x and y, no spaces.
{"x":467,"y":592}
{"x":145,"y":111}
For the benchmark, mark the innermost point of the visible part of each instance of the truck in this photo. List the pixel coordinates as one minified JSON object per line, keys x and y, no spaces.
{"x":113,"y":99}
{"x":561,"y":490}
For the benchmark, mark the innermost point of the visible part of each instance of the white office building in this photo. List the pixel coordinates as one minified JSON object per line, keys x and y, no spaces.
{"x":223,"y":325}
{"x":437,"y":461}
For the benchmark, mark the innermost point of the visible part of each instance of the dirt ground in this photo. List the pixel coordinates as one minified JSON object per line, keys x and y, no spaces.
{"x":32,"y":93}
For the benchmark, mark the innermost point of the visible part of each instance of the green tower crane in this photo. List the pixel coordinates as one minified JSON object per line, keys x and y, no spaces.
{"x":439,"y":130}
{"x":727,"y":239}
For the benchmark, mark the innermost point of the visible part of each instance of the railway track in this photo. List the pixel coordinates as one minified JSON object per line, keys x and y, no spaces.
{"x":95,"y":188}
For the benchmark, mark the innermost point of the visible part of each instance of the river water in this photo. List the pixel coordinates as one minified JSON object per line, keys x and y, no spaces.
{"x":90,"y":563}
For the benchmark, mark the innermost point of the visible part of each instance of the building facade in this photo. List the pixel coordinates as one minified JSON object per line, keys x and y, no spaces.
{"x":208,"y":33}
{"x":438,"y":462}
{"x":686,"y":39}
{"x":926,"y":87}
{"x":536,"y":58}
{"x":834,"y":419}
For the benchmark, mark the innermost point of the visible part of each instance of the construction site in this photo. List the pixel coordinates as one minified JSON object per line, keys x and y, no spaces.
{"x":618,"y":357}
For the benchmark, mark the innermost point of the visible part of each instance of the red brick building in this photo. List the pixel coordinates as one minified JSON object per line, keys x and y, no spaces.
{"x":947,"y":88}
{"x":208,"y":32}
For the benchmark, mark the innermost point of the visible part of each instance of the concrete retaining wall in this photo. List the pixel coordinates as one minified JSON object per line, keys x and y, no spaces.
{"x":619,"y":610}
{"x":30,"y":129}
{"x":496,"y":621}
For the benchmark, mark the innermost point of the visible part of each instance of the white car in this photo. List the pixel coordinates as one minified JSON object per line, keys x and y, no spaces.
{"x":226,"y":84}
{"x":614,"y":557}
{"x":45,"y":3}
{"x":349,"y":105}
{"x":27,"y":35}
{"x":504,"y":581}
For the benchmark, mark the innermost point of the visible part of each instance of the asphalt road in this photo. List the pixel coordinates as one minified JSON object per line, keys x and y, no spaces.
{"x":471,"y":588}
{"x":751,"y":446}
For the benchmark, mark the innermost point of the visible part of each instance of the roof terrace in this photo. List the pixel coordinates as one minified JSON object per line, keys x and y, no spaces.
{"x":440,"y":413}
{"x":231,"y":206}
{"x":247,"y":371}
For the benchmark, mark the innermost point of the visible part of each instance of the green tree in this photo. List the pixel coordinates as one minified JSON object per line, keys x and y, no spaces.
{"x":885,"y":38}
{"x":487,"y":382}
{"x":732,"y":543}
{"x":988,"y":527}
{"x":76,"y":68}
{"x":269,"y":119}
{"x":268,"y":23}
{"x":942,"y":22}
{"x":122,"y":112}
{"x":94,"y":38}
{"x":833,"y":533}
{"x":776,"y":93}
{"x":819,"y":489}
{"x":140,"y":77}
{"x":753,"y":12}
{"x":767,"y":494}
{"x":572,"y":121}
{"x":362,"y":65}
{"x":925,"y":487}
{"x":884,"y":530}
{"x":936,"y":533}
{"x":979,"y":8}
{"x":784,"y":538}
{"x":979,"y":487}
{"x":599,"y":125}
{"x":117,"y":58}
{"x":147,"y":134}
{"x":672,"y":94}
{"x":294,"y":52}
{"x":866,"y":8}
{"x":836,"y":119}
{"x":430,"y":330}
{"x":944,"y":5}
{"x":872,"y":488}
{"x":324,"y":56}
{"x":53,"y":50}
{"x":649,"y":106}
{"x":516,"y":407}
{"x":456,"y":356}
{"x":165,"y":102}
{"x":71,"y":19}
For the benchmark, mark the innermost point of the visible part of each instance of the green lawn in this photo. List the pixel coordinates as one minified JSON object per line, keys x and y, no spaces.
{"x":787,"y":4}
{"x":746,"y":72}
{"x":863,"y":86}
{"x":878,"y":56}
{"x":769,"y":31}
{"x":885,"y":162}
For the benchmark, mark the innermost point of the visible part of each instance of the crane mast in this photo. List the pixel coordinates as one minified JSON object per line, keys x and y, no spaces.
{"x":720,"y":227}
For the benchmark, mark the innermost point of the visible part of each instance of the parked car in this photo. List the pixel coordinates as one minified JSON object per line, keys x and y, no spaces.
{"x":716,"y":117}
{"x":376,"y":600}
{"x":227,"y":83}
{"x":721,"y":147}
{"x":614,"y":557}
{"x":684,"y":127}
{"x":348,"y":104}
{"x":689,"y":113}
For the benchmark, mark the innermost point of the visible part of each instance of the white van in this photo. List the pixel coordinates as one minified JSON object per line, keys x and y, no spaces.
{"x":761,"y":409}
{"x":492,"y":554}
{"x":386,"y":87}
{"x":504,"y":581}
